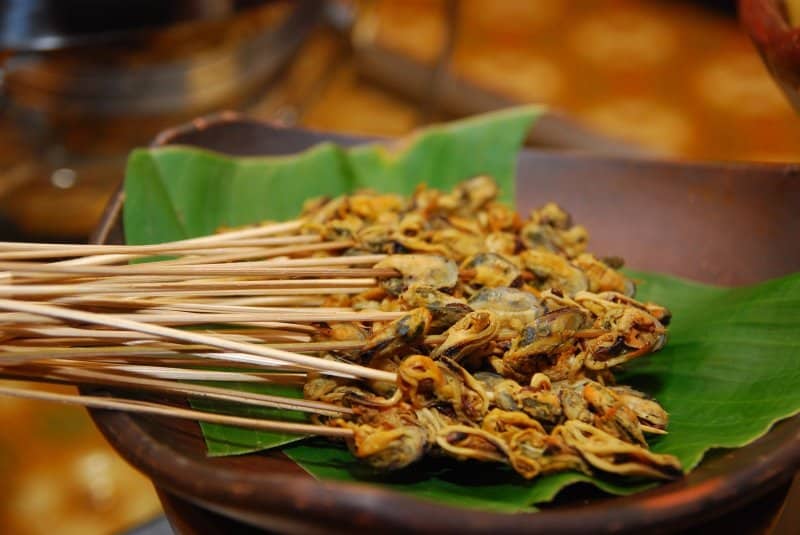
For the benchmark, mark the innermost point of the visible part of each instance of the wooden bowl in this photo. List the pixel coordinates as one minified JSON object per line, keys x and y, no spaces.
{"x":718,"y":223}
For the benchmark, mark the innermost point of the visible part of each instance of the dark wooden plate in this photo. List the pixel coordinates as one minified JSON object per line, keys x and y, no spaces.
{"x":717,"y":223}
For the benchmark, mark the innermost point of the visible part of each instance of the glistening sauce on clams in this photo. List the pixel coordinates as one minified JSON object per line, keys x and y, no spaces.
{"x":507,"y":348}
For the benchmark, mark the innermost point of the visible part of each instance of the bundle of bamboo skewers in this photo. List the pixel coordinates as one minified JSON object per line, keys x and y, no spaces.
{"x":482,"y":335}
{"x":249,"y":299}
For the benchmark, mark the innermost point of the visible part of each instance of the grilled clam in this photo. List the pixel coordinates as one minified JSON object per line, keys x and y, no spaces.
{"x":631,"y":332}
{"x":547,"y":342}
{"x":550,"y":228}
{"x":602,"y":277}
{"x":468,"y":336}
{"x":429,"y":270}
{"x":398,"y":336}
{"x":540,"y":323}
{"x":609,"y":454}
{"x":491,"y":270}
{"x":389,"y":439}
{"x":444,"y":308}
{"x":553,"y":272}
{"x":513,"y":308}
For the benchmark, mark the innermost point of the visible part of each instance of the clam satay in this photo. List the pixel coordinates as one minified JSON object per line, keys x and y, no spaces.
{"x":512,"y":307}
{"x":465,"y":394}
{"x":661,"y":313}
{"x":469,"y":197}
{"x":499,"y":389}
{"x":377,"y":238}
{"x":550,"y":377}
{"x":652,"y":416}
{"x":430,"y":270}
{"x":510,"y":438}
{"x":413,"y":234}
{"x":602,"y":277}
{"x":374,"y":207}
{"x":490,"y":270}
{"x":387,"y":439}
{"x":468,"y":226}
{"x":502,"y":218}
{"x":609,"y":454}
{"x":547,"y":345}
{"x":390,"y":344}
{"x":469,"y":336}
{"x":550,"y":228}
{"x":444,"y":308}
{"x":458,"y":243}
{"x":443,"y":384}
{"x":344,"y":228}
{"x":612,"y":415}
{"x":502,"y":243}
{"x":407,"y":330}
{"x":553,"y":272}
{"x":621,"y":411}
{"x":465,"y":442}
{"x":555,"y":299}
{"x":340,"y":331}
{"x":539,"y":401}
{"x":505,"y":423}
{"x":631,"y":332}
{"x":418,"y":377}
{"x":534,"y":453}
{"x":345,"y":393}
{"x":321,"y":210}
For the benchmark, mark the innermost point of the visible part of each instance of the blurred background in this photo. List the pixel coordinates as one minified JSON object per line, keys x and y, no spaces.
{"x":83,"y":84}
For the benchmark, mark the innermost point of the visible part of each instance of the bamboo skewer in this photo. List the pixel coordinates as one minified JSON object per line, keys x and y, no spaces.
{"x":354,"y":260}
{"x":64,"y":372}
{"x":200,"y":391}
{"x":14,"y":250}
{"x":223,"y":237}
{"x":210,"y":284}
{"x":182,"y":306}
{"x":230,"y":292}
{"x":20,"y":356}
{"x":241,"y":269}
{"x":251,"y":353}
{"x":287,"y":300}
{"x":117,"y":274}
{"x":188,"y":374}
{"x":256,"y":254}
{"x":266,"y":319}
{"x":245,"y":233}
{"x":76,"y":332}
{"x":144,"y":407}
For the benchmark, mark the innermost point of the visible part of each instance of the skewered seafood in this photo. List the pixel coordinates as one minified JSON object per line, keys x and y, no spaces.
{"x":475,"y":335}
{"x":513,"y":308}
{"x":444,"y":308}
{"x":490,"y":270}
{"x":552,"y":271}
{"x":506,"y":348}
{"x":434,"y":271}
{"x":470,"y":335}
{"x":550,"y":228}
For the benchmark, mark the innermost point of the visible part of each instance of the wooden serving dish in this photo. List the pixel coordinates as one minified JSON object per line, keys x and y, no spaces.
{"x":727,"y":224}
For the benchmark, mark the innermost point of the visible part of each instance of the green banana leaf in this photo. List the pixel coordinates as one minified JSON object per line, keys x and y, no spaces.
{"x":729,"y":371}
{"x":176,"y":192}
